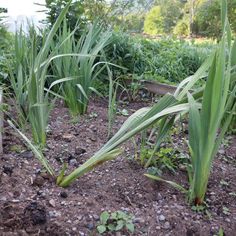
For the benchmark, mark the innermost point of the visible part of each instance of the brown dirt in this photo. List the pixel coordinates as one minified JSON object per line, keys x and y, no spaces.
{"x":31,"y":203}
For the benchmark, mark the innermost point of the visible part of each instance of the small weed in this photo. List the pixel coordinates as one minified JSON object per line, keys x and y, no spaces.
{"x":226,"y":211}
{"x":224,"y":183}
{"x":164,"y":158}
{"x":198,"y":208}
{"x":232,"y":194}
{"x":116,"y":221}
{"x":93,"y":115}
{"x":16,"y":148}
{"x":220,"y":233}
{"x":123,"y":112}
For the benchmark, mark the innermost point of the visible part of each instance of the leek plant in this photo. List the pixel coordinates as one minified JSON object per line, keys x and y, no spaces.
{"x":83,"y":67}
{"x":218,"y":103}
{"x":29,"y":76}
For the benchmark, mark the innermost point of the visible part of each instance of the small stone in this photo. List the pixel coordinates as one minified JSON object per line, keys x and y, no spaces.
{"x":80,"y":217}
{"x":88,"y":141}
{"x":93,"y":128}
{"x":222,"y":151}
{"x":27,"y":155}
{"x":7,"y":169}
{"x":54,"y":214}
{"x":68,"y":137}
{"x":38,"y":181}
{"x":64,"y":194}
{"x":228,"y":220}
{"x":162,"y":218}
{"x":139,"y":220}
{"x":38,"y":171}
{"x":90,"y":226}
{"x":96,"y":217}
{"x":73,"y":162}
{"x":52,"y":202}
{"x":167,"y":225}
{"x":79,"y":151}
{"x":93,"y":138}
{"x":45,"y":175}
{"x":140,"y":195}
{"x":159,"y":197}
{"x":3,"y":199}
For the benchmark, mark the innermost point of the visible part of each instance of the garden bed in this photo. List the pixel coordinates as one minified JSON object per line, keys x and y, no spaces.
{"x":31,"y":203}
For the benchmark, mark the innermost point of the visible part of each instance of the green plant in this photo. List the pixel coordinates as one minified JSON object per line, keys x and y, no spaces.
{"x":215,"y":114}
{"x":29,"y":76}
{"x":164,"y":60}
{"x":115,"y":221}
{"x":182,"y":28}
{"x":81,"y":66}
{"x":165,"y":158}
{"x":163,"y":17}
{"x":221,"y":232}
{"x":204,"y":125}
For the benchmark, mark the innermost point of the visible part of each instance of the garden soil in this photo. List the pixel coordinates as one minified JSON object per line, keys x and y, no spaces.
{"x":32,"y":204}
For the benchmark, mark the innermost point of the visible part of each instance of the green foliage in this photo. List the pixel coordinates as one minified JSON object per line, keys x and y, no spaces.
{"x":182,"y":28}
{"x":116,"y":221}
{"x":29,"y":74}
{"x":208,"y":21}
{"x":153,"y":23}
{"x":6,"y":42}
{"x":133,"y":22}
{"x":164,"y":158}
{"x":163,"y":17}
{"x":80,"y":65}
{"x":163,"y":60}
{"x":75,"y":13}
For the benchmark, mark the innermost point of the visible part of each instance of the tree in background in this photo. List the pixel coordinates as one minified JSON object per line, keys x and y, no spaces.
{"x":126,"y":15}
{"x":133,"y":22}
{"x":208,"y":21}
{"x":75,"y":13}
{"x":153,"y":23}
{"x":182,"y":27}
{"x":163,"y":17}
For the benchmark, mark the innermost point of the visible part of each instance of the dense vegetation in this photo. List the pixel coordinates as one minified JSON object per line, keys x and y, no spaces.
{"x":164,"y":60}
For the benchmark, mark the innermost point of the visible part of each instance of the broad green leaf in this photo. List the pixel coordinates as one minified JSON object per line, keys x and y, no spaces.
{"x":120,"y":225}
{"x":130,"y":227}
{"x":101,"y":229}
{"x":104,"y":217}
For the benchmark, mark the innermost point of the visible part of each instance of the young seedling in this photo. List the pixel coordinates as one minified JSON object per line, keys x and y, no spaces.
{"x":116,"y":221}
